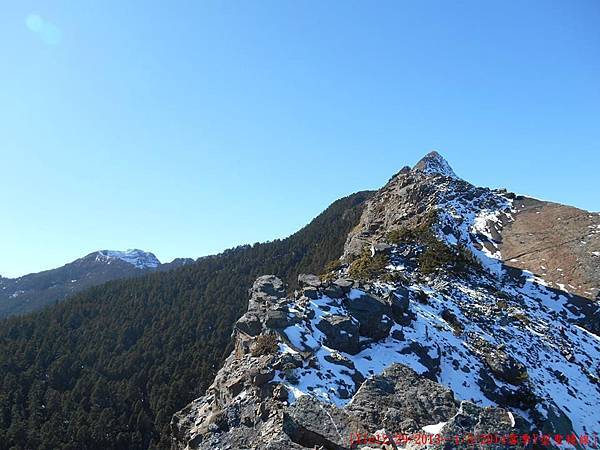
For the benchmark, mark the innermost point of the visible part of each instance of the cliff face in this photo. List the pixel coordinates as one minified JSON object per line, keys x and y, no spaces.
{"x":424,"y":327}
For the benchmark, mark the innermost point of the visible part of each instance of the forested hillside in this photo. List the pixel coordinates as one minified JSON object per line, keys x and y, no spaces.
{"x":108,"y":368}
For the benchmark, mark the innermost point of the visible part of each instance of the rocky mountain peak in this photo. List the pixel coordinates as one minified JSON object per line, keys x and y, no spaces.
{"x":429,"y":192}
{"x":422,"y":309}
{"x":135,"y":257}
{"x":434,"y":163}
{"x":558,"y":243}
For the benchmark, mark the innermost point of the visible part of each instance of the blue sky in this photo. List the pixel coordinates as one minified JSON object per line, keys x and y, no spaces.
{"x":184,"y":128}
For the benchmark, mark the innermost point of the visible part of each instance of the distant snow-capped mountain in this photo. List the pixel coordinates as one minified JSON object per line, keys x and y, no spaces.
{"x":33,"y":291}
{"x":135,"y":257}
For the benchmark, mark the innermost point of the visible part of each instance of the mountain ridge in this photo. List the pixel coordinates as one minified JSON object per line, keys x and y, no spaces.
{"x":422,"y":292}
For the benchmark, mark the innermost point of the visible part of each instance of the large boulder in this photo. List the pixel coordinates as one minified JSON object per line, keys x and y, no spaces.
{"x":505,"y":367}
{"x":250,"y":324}
{"x":309,"y":280}
{"x":506,"y":394}
{"x":311,"y":292}
{"x":341,"y":333}
{"x":399,"y":303}
{"x":476,"y":428}
{"x":268,"y":287}
{"x":344,"y":284}
{"x":373,"y":314}
{"x":401,"y":400}
{"x":453,"y":321}
{"x":314,"y":424}
{"x":277,"y":319}
{"x":332,"y":290}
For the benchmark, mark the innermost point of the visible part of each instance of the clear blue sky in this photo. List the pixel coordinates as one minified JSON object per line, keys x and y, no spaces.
{"x":185,"y":128}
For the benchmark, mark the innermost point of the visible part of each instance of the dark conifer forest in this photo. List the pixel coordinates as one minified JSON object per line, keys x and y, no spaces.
{"x":107,"y":368}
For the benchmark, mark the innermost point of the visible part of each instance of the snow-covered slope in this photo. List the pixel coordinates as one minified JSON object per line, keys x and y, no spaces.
{"x":524,"y":323}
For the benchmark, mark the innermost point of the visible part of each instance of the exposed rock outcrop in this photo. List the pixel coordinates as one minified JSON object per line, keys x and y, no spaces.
{"x":341,"y":333}
{"x":251,"y":403}
{"x":257,"y":399}
{"x":476,"y":428}
{"x":399,"y":399}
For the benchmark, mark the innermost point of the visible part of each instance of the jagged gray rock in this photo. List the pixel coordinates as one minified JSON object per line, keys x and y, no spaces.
{"x":309,"y":280}
{"x":434,"y":164}
{"x":249,"y":324}
{"x":268,"y":287}
{"x":400,"y":304}
{"x":373,"y":314}
{"x":312,"y":423}
{"x":250,"y":406}
{"x":341,"y":333}
{"x":478,"y":428}
{"x":333,"y":291}
{"x":506,"y":367}
{"x":399,"y":399}
{"x":343,"y":284}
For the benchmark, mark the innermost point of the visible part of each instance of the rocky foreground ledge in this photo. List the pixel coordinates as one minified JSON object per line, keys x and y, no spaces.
{"x":294,"y":390}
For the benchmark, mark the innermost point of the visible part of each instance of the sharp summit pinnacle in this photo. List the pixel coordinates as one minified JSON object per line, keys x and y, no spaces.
{"x":433,"y":163}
